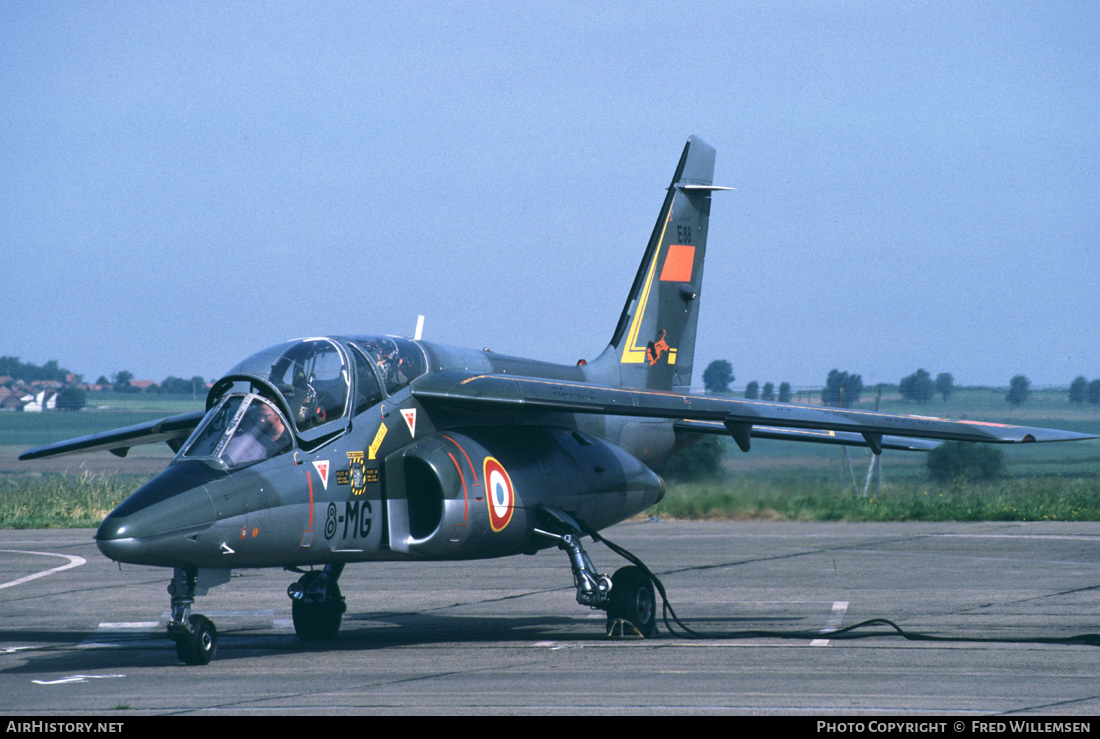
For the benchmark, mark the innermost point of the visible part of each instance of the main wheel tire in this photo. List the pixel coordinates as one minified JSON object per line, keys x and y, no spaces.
{"x":633,"y":600}
{"x":319,"y":621}
{"x":199,"y":645}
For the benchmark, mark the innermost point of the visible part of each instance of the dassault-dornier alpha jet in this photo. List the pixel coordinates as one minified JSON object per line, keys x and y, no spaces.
{"x":332,"y":450}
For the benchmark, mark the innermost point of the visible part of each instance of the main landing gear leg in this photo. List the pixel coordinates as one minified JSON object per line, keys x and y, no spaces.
{"x":627,"y":596}
{"x":316,"y":603}
{"x":195,"y":636}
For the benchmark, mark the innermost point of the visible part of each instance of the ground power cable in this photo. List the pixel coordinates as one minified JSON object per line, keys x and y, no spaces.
{"x":855,"y":631}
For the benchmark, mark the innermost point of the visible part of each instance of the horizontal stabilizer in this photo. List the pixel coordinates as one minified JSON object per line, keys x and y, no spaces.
{"x":174,"y":430}
{"x":702,"y":188}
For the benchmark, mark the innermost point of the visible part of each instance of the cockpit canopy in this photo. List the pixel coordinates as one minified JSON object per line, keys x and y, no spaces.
{"x":309,"y":388}
{"x":309,"y":375}
{"x":398,"y":361}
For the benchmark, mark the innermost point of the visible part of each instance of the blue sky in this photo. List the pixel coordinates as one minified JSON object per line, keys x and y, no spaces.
{"x":918,"y":184}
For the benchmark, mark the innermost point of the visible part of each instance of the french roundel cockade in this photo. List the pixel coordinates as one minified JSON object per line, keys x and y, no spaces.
{"x":501,"y":495}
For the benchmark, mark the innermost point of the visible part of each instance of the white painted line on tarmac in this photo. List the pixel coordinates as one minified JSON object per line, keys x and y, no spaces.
{"x":73,"y":562}
{"x":836,"y":617}
{"x":123,"y":633}
{"x":72,"y":679}
{"x":1047,"y":537}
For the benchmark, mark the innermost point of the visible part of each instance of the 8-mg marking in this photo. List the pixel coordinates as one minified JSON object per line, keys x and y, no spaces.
{"x":357,"y":520}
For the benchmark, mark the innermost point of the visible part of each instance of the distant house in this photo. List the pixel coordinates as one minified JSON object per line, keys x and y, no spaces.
{"x":45,"y":400}
{"x":142,"y":385}
{"x":16,"y":401}
{"x":9,"y":401}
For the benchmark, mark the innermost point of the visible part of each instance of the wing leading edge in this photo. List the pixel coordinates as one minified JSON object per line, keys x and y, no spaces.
{"x":742,"y":419}
{"x":173,"y":430}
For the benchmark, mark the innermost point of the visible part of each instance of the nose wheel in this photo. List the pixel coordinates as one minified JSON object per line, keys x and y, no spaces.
{"x":198,"y":645}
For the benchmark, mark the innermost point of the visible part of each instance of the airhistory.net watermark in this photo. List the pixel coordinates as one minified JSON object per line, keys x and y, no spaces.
{"x":64,"y":727}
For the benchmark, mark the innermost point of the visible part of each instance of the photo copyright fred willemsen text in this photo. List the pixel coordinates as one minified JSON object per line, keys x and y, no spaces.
{"x":972,"y":726}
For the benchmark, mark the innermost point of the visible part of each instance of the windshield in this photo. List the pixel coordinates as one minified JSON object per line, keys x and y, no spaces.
{"x":241,"y":430}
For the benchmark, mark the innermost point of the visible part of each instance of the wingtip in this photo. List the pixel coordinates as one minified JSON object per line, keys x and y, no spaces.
{"x":1042,"y":435}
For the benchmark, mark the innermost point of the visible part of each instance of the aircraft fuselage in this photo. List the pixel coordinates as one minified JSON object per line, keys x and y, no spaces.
{"x":397,"y":482}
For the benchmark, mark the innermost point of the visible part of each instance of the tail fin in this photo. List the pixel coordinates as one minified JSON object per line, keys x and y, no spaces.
{"x":654,"y":343}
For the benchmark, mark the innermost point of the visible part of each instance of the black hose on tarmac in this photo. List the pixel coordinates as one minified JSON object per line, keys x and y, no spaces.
{"x":855,"y":631}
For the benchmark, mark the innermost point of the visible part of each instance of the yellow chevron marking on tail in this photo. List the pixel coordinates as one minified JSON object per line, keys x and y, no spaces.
{"x":632,"y":353}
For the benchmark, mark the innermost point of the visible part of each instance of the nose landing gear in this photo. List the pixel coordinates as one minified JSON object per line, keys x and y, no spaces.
{"x":194,"y":634}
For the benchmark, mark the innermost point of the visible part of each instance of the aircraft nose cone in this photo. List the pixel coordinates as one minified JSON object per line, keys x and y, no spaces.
{"x":146,"y":527}
{"x":113,"y":541}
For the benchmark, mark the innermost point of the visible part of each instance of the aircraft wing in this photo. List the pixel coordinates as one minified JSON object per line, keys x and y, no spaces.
{"x":174,"y":430}
{"x":739,"y":417}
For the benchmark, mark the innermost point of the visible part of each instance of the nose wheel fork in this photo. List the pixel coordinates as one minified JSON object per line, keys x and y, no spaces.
{"x":195,"y":636}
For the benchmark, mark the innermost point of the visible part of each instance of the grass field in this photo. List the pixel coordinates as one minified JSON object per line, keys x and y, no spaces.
{"x":776,"y":480}
{"x":1008,"y":499}
{"x":62,"y":501}
{"x":79,"y":490}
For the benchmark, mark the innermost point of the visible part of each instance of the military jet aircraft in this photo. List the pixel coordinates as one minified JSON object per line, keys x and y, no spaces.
{"x":326,"y":451}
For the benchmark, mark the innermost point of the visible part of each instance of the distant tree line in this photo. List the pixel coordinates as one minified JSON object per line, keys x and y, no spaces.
{"x":847,"y":388}
{"x":920,"y":387}
{"x":1019,"y":388}
{"x":29,"y":372}
{"x":718,"y":376}
{"x":180,"y":386}
{"x":753,"y":391}
{"x":842,"y":390}
{"x":123,"y":383}
{"x":1081,"y":390}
